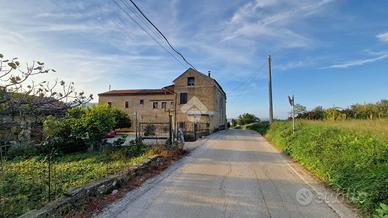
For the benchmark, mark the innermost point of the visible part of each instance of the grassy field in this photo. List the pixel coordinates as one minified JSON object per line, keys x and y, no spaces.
{"x":351,"y":156}
{"x":24,"y":184}
{"x":378,"y":128}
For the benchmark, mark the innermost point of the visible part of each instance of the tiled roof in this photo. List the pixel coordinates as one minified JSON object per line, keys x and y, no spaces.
{"x":135,"y":92}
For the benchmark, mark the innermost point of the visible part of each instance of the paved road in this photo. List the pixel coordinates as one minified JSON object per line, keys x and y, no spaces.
{"x":236,"y":173}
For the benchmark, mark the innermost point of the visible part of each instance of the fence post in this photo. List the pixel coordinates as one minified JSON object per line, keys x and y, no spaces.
{"x":195,"y":131}
{"x":49,"y":177}
{"x":170,"y":127}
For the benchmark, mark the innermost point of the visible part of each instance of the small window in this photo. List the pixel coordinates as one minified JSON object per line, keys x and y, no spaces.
{"x":164,"y":105}
{"x":109,"y":104}
{"x":155,"y":105}
{"x":141,"y":101}
{"x":126,"y":104}
{"x":190,"y":81}
{"x":183,"y":98}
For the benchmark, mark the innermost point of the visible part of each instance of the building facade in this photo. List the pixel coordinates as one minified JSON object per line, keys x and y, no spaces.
{"x":193,"y":99}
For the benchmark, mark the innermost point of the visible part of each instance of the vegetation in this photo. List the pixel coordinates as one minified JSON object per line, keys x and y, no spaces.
{"x":24,"y":185}
{"x":244,"y":119}
{"x":370,"y":111}
{"x":260,"y":127}
{"x":149,"y":130}
{"x":353,"y":162}
{"x":25,"y":103}
{"x":84,"y":126}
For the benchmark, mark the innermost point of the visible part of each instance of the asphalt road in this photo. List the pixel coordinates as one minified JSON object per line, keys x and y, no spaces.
{"x":235,"y":173}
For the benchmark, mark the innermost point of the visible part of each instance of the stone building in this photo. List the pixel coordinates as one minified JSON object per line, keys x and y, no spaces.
{"x":194,"y":99}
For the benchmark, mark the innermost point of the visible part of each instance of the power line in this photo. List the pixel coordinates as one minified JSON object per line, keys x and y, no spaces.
{"x":149,"y":34}
{"x":245,"y":82}
{"x":165,"y":38}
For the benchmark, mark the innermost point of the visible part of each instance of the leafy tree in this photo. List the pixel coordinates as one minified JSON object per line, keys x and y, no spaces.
{"x":299,"y":109}
{"x":233,"y":122}
{"x":33,"y":100}
{"x":246,"y":119}
{"x":121,"y":118}
{"x":96,"y":122}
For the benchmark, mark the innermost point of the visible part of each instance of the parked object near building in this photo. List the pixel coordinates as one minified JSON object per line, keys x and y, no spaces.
{"x":196,"y":102}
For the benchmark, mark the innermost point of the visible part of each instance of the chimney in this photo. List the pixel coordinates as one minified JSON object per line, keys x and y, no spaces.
{"x":208,"y":73}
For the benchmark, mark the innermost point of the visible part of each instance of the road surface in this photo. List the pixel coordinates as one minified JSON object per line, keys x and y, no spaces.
{"x":235,"y":173}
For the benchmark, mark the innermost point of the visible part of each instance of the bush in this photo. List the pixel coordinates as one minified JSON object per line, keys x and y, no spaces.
{"x":247,"y":119}
{"x":83,"y":126}
{"x":121,"y":118}
{"x":354,"y":163}
{"x":21,"y":152}
{"x":260,"y":127}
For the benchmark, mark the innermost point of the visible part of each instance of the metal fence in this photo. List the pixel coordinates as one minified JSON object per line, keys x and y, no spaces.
{"x":193,"y":131}
{"x":31,"y":181}
{"x":154,"y":130}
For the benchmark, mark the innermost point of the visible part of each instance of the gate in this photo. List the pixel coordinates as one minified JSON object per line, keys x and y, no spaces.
{"x":154,"y":130}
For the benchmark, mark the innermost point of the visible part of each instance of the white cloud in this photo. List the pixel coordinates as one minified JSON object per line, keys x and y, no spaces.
{"x":357,"y":62}
{"x":383,"y":37}
{"x":272,"y":20}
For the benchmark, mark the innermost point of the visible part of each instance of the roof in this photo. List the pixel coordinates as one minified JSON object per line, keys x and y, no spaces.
{"x":135,"y":92}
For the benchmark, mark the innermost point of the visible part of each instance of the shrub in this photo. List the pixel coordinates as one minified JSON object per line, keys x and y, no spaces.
{"x":246,"y":119}
{"x":354,"y":163}
{"x":260,"y":127}
{"x":21,"y":151}
{"x":121,"y":118}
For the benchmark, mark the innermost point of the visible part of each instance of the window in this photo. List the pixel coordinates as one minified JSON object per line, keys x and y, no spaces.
{"x":155,"y":105}
{"x":141,"y":101}
{"x":126,"y":104}
{"x":109,"y":104}
{"x":164,"y":105}
{"x":183,"y":98}
{"x":190,"y":81}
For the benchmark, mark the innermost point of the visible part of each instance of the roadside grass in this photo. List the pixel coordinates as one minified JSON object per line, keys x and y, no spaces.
{"x":352,"y":156}
{"x":260,"y":127}
{"x":378,"y":128}
{"x":24,"y":185}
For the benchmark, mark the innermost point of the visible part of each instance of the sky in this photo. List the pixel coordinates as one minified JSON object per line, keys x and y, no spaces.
{"x":325,"y":52}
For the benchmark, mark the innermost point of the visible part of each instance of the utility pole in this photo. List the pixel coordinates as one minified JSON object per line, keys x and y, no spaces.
{"x":270,"y":89}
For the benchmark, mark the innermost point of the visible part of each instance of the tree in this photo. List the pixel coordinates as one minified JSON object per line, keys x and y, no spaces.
{"x":233,"y":122}
{"x":299,"y":109}
{"x":382,"y":108}
{"x":247,"y":118}
{"x":29,"y":102}
{"x":121,"y":118}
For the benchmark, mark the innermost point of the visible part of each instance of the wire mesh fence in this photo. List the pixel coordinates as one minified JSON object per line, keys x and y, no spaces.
{"x":31,"y":181}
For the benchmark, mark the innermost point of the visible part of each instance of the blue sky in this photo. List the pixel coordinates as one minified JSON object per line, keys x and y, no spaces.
{"x":326,"y":52}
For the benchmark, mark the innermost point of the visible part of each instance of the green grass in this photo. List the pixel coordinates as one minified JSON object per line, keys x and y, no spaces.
{"x":378,"y":128}
{"x":351,"y":156}
{"x":24,"y":183}
{"x":260,"y":127}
